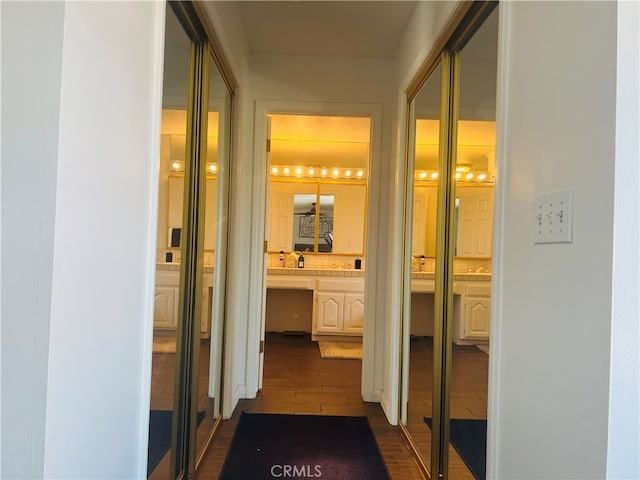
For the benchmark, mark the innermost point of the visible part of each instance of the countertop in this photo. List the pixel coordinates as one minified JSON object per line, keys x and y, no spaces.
{"x":331,"y":272}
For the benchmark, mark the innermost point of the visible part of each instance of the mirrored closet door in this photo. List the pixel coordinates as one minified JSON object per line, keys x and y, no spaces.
{"x":450,"y":172}
{"x":191,"y":266}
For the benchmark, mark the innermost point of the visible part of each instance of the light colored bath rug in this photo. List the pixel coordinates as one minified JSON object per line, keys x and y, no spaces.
{"x":484,"y":347}
{"x":344,"y":350}
{"x":164,"y":344}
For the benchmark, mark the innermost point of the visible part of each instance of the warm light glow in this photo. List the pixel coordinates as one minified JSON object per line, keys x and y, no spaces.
{"x":274,"y":170}
{"x":434,"y":175}
{"x":347,"y":173}
{"x":286,"y":170}
{"x":323,"y":172}
{"x":213,"y":167}
{"x":469,"y":176}
{"x":458,"y":175}
{"x":462,"y":169}
{"x":311,"y":171}
{"x":298,"y":171}
{"x":423,"y":175}
{"x":175,"y":165}
{"x":335,"y":172}
{"x":360,"y":173}
{"x":482,"y":176}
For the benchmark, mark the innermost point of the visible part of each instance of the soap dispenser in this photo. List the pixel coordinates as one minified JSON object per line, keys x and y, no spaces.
{"x":281,"y":261}
{"x":423,"y":263}
{"x":301,"y":261}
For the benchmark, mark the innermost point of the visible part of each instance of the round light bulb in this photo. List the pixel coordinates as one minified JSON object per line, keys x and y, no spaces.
{"x":347,"y":173}
{"x":434,"y":175}
{"x":213,"y":167}
{"x":360,"y":173}
{"x":458,"y":175}
{"x":335,"y":172}
{"x":482,"y":176}
{"x":286,"y":170}
{"x":323,"y":172}
{"x":423,"y":175}
{"x":175,"y":165}
{"x":274,"y":170}
{"x":311,"y":171}
{"x":469,"y":176}
{"x":298,"y":171}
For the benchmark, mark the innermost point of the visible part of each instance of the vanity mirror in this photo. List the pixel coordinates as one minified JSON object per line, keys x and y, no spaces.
{"x":318,"y":187}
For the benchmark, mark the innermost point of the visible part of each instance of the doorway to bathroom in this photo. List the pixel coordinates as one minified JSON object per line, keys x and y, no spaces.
{"x":315,"y":222}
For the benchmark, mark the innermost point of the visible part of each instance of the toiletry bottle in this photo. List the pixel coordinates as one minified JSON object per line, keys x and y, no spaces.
{"x":358,"y":264}
{"x":423,"y":263}
{"x":281,"y":261}
{"x":301,"y":261}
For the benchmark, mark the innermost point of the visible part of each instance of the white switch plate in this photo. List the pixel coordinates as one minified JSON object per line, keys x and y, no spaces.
{"x":553,"y":217}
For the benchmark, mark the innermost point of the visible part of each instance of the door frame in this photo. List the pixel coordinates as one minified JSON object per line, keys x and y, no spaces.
{"x":374,"y":326}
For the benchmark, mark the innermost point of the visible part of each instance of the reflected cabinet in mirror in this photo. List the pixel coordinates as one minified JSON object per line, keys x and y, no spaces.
{"x":318,"y":187}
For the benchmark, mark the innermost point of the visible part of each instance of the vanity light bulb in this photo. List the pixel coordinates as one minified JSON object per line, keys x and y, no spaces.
{"x":323,"y":172}
{"x":298,"y":171}
{"x":175,"y":165}
{"x":482,"y":176}
{"x":360,"y":173}
{"x":213,"y":167}
{"x":335,"y":172}
{"x":311,"y":171}
{"x":458,"y":175}
{"x":434,"y":175}
{"x":274,"y":170}
{"x":286,"y":170}
{"x":469,"y":176}
{"x":348,"y":173}
{"x":423,"y":175}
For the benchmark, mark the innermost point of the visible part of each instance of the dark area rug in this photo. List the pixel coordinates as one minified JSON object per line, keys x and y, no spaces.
{"x":160,"y":436}
{"x":303,"y":446}
{"x":469,"y":438}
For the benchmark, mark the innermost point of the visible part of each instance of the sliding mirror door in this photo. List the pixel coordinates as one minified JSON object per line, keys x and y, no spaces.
{"x":421,"y":208}
{"x":168,"y":322}
{"x":448,"y":214}
{"x":474,"y":130}
{"x":208,"y":346}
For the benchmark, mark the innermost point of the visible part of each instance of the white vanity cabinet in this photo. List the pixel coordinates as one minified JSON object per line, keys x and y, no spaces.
{"x":165,"y":313}
{"x":167,"y":300}
{"x":339,"y":307}
{"x":477,"y":311}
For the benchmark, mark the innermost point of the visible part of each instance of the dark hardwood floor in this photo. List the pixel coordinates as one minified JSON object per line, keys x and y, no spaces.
{"x":298,"y":381}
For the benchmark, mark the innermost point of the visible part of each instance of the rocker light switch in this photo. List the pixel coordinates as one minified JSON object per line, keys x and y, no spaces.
{"x":553,"y":217}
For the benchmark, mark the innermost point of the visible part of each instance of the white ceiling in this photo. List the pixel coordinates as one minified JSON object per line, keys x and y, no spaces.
{"x":325,"y":28}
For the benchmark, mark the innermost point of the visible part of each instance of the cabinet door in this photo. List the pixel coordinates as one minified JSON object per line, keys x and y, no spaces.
{"x":475,"y":219}
{"x":353,"y":313}
{"x":165,"y":307}
{"x":280,"y":221}
{"x":330,"y":311}
{"x":477,"y":317}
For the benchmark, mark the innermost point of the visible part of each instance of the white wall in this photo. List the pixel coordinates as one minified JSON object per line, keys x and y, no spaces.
{"x":623,"y":456}
{"x":31,"y":71}
{"x":82,"y":316}
{"x":549,"y":378}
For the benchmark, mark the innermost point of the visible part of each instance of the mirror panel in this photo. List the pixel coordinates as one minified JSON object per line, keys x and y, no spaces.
{"x":207,"y":390}
{"x":417,"y":390}
{"x":326,"y":158}
{"x":475,"y":157}
{"x":167,"y":321}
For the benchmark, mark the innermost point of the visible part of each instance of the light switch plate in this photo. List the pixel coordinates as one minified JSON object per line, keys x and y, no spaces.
{"x":553,"y":217}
